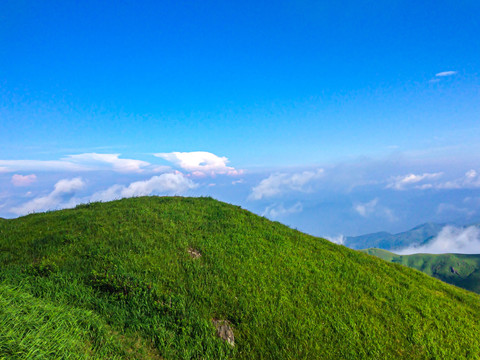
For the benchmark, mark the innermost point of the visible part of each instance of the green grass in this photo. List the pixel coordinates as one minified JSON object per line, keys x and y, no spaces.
{"x":458,"y":269}
{"x":32,"y":328}
{"x":286,"y":294}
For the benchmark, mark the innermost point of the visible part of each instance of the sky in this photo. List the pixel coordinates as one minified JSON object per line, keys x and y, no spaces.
{"x":335,"y":118}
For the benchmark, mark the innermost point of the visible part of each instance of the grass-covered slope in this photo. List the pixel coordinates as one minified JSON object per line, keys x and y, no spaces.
{"x":458,"y":269}
{"x":123,"y":276}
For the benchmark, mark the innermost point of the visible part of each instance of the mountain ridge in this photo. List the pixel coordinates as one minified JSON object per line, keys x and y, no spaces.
{"x":418,"y":235}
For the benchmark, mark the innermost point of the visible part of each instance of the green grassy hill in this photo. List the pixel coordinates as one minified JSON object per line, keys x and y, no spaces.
{"x":458,"y":269}
{"x":124,"y":279}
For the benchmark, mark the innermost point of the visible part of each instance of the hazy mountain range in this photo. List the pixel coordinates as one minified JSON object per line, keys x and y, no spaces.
{"x":417,"y":236}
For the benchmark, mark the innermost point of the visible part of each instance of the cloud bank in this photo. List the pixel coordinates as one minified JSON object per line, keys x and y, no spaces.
{"x":60,"y":197}
{"x":63,"y":195}
{"x":451,"y":239}
{"x":165,"y":184}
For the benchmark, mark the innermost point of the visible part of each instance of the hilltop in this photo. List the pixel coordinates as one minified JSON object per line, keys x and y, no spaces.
{"x":152,"y":277}
{"x":462,"y":270}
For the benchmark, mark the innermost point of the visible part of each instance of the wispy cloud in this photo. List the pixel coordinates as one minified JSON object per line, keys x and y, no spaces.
{"x":278,"y":210}
{"x":77,"y":163}
{"x":200,"y":163}
{"x":373,"y":208}
{"x":41,"y":165}
{"x":23,"y":180}
{"x":94,"y":159}
{"x":446,"y":73}
{"x":450,"y":240}
{"x":452,"y":209}
{"x":470,"y":180}
{"x":365,"y":209}
{"x":280,"y":183}
{"x":60,"y":197}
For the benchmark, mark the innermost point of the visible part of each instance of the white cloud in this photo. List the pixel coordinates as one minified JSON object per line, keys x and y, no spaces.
{"x":75,"y":163}
{"x":470,"y":180}
{"x":279,"y":183}
{"x":277,"y":210}
{"x":4,"y":169}
{"x":200,"y":163}
{"x":405,"y":181}
{"x":94,"y":160}
{"x":54,"y":200}
{"x":41,"y":165}
{"x":450,"y":240}
{"x":168,"y":184}
{"x":446,"y":73}
{"x":23,"y":180}
{"x":339,"y":239}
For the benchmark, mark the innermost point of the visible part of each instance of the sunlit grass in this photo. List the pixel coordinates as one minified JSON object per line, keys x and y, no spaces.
{"x":287,"y":295}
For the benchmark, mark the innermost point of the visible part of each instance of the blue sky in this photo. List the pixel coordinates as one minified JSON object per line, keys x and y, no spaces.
{"x":333,"y":117}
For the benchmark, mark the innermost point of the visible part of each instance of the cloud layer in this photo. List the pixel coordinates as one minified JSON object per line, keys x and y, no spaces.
{"x":450,"y":240}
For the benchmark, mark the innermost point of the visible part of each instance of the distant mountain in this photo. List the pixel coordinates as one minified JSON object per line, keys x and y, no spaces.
{"x":383,"y":240}
{"x":457,"y":269}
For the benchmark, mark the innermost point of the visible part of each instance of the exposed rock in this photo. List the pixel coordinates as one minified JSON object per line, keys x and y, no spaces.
{"x":224,"y":331}
{"x":453,"y":270}
{"x":194,"y":253}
